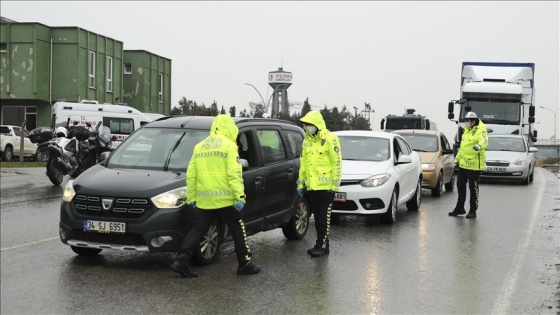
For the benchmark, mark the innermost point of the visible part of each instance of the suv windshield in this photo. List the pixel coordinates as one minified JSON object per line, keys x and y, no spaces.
{"x":157,"y":149}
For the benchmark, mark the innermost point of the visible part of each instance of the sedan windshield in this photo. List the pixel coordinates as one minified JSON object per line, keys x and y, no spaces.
{"x":364,"y":148}
{"x":157,"y":149}
{"x":421,"y":143}
{"x":506,"y":144}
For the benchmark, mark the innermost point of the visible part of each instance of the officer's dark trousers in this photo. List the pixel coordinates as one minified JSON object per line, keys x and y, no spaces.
{"x":464,"y":175}
{"x":320,"y":202}
{"x":232,"y":218}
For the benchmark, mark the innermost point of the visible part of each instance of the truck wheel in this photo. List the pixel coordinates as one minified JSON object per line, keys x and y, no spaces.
{"x":54,"y":173}
{"x":299,"y":223}
{"x":209,"y":247}
{"x":83,"y":251}
{"x":8,"y":154}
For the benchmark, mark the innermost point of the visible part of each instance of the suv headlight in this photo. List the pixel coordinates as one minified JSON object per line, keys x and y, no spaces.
{"x":375,"y":181}
{"x":69,"y":192}
{"x":171,"y":199}
{"x":520,"y":161}
{"x":428,"y":167}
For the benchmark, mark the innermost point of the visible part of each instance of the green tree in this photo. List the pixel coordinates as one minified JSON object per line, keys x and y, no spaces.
{"x":223,"y":111}
{"x":232,"y":111}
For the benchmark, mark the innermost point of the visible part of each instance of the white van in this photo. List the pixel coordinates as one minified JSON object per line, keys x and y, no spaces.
{"x":121,"y":119}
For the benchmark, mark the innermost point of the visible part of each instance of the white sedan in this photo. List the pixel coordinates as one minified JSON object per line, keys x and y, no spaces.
{"x":380,"y":172}
{"x":509,"y":157}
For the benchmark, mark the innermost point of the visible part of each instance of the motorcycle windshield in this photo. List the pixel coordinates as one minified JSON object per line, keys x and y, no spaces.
{"x":105,"y":135}
{"x":157,"y":149}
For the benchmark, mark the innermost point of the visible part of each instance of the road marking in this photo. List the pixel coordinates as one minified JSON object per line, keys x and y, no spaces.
{"x":29,"y":244}
{"x":508,"y":288}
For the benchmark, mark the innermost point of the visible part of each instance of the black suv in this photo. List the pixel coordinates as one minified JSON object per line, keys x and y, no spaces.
{"x":135,"y":199}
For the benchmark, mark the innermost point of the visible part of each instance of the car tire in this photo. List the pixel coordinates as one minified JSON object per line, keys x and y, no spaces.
{"x":37,"y":157}
{"x":390,"y":216}
{"x":532,"y":175}
{"x":84,"y":251}
{"x":414,"y":203}
{"x":451,"y":185}
{"x":209,"y":247}
{"x":299,"y":222}
{"x":8,"y":154}
{"x":436,"y":192}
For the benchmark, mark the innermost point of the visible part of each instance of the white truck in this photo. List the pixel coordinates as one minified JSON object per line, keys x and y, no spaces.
{"x":10,"y":143}
{"x":408,"y":120}
{"x":501,"y":94}
{"x":121,"y":119}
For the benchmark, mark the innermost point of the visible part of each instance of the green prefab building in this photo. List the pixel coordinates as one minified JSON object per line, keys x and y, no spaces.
{"x":142,"y":72}
{"x":40,"y":65}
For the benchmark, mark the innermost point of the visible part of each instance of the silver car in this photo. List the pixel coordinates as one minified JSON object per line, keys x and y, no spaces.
{"x":509,"y":157}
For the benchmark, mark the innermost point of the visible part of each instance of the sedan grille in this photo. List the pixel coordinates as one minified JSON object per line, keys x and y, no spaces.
{"x":346,"y":206}
{"x":497,"y":163}
{"x":124,"y":208}
{"x":117,"y":239}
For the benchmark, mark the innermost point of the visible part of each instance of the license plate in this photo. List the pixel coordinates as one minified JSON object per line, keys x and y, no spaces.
{"x":496,"y":169}
{"x":339,"y":196}
{"x":104,"y":226}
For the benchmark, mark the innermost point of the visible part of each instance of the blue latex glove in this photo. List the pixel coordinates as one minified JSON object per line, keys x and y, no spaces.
{"x":193,"y":204}
{"x":239,"y":205}
{"x":476,"y":147}
{"x":300,"y":192}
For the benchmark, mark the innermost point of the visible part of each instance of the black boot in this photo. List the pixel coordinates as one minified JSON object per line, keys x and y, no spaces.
{"x":457,"y":211}
{"x":248,"y":269}
{"x":181,"y":266}
{"x":317,"y":250}
{"x":471,"y":215}
{"x":326,"y":249}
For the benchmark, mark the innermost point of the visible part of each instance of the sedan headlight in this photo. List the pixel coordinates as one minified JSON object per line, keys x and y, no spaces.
{"x":520,"y":161}
{"x":428,"y":167}
{"x":69,"y":192}
{"x":375,"y":181}
{"x":171,"y":199}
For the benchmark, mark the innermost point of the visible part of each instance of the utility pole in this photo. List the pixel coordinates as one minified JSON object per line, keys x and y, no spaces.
{"x":367,"y":110}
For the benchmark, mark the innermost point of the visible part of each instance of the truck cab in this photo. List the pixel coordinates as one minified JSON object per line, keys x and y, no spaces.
{"x":409,"y":120}
{"x":501,"y":94}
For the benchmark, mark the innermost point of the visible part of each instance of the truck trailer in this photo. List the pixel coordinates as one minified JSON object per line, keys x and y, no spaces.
{"x":501,"y":94}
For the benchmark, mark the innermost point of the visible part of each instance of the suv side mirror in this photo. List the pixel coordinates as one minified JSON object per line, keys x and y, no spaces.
{"x":450,"y":107}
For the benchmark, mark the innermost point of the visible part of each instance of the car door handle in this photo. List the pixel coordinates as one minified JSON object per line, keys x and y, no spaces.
{"x":259,"y":183}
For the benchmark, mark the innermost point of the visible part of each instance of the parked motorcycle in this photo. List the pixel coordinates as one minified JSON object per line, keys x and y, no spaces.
{"x":72,"y":150}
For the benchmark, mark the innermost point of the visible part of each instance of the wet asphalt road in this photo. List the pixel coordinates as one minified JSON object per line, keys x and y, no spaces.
{"x":506,"y":261}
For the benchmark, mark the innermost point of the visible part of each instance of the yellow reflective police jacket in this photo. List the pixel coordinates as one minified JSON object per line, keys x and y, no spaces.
{"x":467,"y":157}
{"x":214,"y":174}
{"x":321,"y":159}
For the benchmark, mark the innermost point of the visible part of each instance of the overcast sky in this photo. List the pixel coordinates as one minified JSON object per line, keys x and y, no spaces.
{"x":393,"y":55}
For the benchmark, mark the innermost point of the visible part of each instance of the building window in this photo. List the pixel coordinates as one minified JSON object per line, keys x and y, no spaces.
{"x":91,"y":69}
{"x":160,"y":87}
{"x":3,"y":47}
{"x":127,"y":68}
{"x":109,"y":72}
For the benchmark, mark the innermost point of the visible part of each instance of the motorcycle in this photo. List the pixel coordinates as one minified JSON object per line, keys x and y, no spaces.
{"x":73,"y":150}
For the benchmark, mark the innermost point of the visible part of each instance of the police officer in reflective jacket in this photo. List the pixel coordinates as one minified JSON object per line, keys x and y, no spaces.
{"x":471,"y":158}
{"x":319,"y":176}
{"x":215,"y":188}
